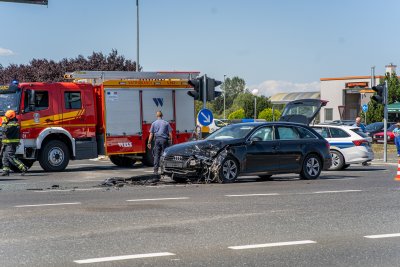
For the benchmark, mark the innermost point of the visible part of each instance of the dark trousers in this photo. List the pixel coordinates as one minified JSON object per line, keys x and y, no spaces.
{"x":159,"y":145}
{"x":9,"y":158}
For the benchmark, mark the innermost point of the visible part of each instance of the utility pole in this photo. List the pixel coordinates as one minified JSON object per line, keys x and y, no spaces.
{"x":385,"y":118}
{"x":137,"y":35}
{"x":224,"y":95}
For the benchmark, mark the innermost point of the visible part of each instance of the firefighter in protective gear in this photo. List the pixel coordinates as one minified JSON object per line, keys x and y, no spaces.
{"x":10,"y":142}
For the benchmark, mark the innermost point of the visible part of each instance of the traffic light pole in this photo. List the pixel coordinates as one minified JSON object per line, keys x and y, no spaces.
{"x":205,"y":91}
{"x":385,"y":118}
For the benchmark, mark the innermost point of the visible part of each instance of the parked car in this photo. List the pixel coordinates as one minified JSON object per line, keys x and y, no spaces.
{"x":376,"y":127}
{"x":348,"y":145}
{"x":343,"y":122}
{"x":216,"y":124}
{"x":378,"y":137}
{"x":259,"y":148}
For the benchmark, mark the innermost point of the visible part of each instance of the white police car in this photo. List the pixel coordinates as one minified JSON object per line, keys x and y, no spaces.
{"x":349,"y":145}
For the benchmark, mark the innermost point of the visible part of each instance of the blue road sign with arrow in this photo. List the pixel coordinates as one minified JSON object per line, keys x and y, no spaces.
{"x":365,"y":107}
{"x":205,"y":117}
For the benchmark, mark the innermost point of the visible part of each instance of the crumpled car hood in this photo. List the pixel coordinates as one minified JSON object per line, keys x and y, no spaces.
{"x":201,"y":147}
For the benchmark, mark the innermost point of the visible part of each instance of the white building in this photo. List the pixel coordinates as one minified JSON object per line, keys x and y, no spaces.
{"x":346,"y":95}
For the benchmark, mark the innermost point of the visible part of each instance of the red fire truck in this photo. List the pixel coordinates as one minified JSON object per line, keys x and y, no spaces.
{"x":100,"y":113}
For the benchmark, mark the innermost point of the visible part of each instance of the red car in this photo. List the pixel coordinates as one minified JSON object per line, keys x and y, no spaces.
{"x":378,"y":137}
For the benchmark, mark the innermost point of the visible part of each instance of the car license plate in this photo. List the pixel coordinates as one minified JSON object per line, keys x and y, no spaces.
{"x":171,"y":164}
{"x":380,"y":141}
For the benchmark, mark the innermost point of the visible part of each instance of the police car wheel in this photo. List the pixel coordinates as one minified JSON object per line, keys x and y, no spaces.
{"x":337,"y":161}
{"x":54,"y":156}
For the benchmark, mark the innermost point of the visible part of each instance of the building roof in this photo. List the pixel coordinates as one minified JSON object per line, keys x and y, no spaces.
{"x":350,"y":78}
{"x":284,"y":98}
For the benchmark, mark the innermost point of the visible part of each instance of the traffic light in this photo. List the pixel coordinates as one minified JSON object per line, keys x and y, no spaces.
{"x":198,"y":85}
{"x":380,"y":91}
{"x":211,"y":93}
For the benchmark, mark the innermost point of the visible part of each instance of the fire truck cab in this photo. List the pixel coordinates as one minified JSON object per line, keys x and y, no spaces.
{"x":100,"y":113}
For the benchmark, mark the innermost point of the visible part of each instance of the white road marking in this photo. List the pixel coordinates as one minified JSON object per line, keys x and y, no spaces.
{"x":383,"y":236}
{"x":339,"y":179}
{"x":68,"y":190}
{"x":125,"y":257}
{"x":338,"y":191}
{"x":251,"y":195}
{"x":53,"y":204}
{"x":278,"y":244}
{"x":157,"y":199}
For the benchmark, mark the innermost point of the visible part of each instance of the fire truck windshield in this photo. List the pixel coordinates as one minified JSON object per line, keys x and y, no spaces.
{"x":9,"y":99}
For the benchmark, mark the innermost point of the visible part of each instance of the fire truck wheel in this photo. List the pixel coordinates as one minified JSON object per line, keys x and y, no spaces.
{"x":54,"y":156}
{"x":122,"y":161}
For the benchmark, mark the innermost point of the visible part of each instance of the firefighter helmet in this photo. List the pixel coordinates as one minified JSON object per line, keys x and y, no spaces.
{"x":10,"y":114}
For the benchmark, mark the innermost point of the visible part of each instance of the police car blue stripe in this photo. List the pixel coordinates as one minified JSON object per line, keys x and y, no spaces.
{"x":342,"y":144}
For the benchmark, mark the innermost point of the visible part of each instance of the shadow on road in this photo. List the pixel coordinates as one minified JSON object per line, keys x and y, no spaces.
{"x":11,"y":179}
{"x":92,"y":168}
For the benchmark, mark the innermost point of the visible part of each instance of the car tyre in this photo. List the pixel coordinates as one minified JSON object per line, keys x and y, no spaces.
{"x":121,"y":161}
{"x":229,"y":171}
{"x":54,"y":156}
{"x":266,"y":177}
{"x":337,"y":161}
{"x":311,"y":168}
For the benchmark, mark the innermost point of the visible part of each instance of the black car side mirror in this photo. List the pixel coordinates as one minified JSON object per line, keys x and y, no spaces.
{"x":255,"y":139}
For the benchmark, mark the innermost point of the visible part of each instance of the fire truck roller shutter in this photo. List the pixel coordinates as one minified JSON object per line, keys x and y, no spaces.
{"x":184,"y":108}
{"x":155,"y":100}
{"x":122,"y":106}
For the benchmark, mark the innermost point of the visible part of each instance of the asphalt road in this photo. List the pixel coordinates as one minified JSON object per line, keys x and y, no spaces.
{"x":347,"y":218}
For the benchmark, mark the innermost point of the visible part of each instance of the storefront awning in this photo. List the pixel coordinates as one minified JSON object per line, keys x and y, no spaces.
{"x":284,"y":98}
{"x":394,"y":108}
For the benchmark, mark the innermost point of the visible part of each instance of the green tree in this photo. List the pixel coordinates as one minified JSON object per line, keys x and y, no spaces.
{"x":266,"y":114}
{"x":246,"y":102}
{"x":232,"y":87}
{"x":238,"y":114}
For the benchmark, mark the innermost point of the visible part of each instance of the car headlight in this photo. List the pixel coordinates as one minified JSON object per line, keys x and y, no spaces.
{"x":164,"y":154}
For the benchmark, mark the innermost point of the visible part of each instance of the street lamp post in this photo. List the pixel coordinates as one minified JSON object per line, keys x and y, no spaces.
{"x":255,"y":92}
{"x":224,"y":95}
{"x":137,"y":35}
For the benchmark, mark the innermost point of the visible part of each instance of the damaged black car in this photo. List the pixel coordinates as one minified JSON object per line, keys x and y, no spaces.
{"x":258,"y":148}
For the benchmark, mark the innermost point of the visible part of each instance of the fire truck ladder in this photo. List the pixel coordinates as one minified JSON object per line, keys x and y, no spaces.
{"x":97,"y":77}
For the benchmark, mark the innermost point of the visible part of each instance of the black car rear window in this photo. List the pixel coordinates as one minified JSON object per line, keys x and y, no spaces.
{"x":305,"y":133}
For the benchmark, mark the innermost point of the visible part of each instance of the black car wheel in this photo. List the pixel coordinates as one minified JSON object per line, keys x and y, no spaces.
{"x":266,"y":177}
{"x":229,"y":170}
{"x":337,"y":160}
{"x":311,"y":167}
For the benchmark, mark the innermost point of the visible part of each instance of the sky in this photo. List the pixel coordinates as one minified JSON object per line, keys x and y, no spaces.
{"x":274,"y":45}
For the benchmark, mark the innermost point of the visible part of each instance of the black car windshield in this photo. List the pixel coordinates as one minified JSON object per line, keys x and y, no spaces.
{"x":236,"y":131}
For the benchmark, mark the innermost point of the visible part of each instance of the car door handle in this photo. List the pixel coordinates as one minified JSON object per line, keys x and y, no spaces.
{"x":276,"y":147}
{"x":48,"y":120}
